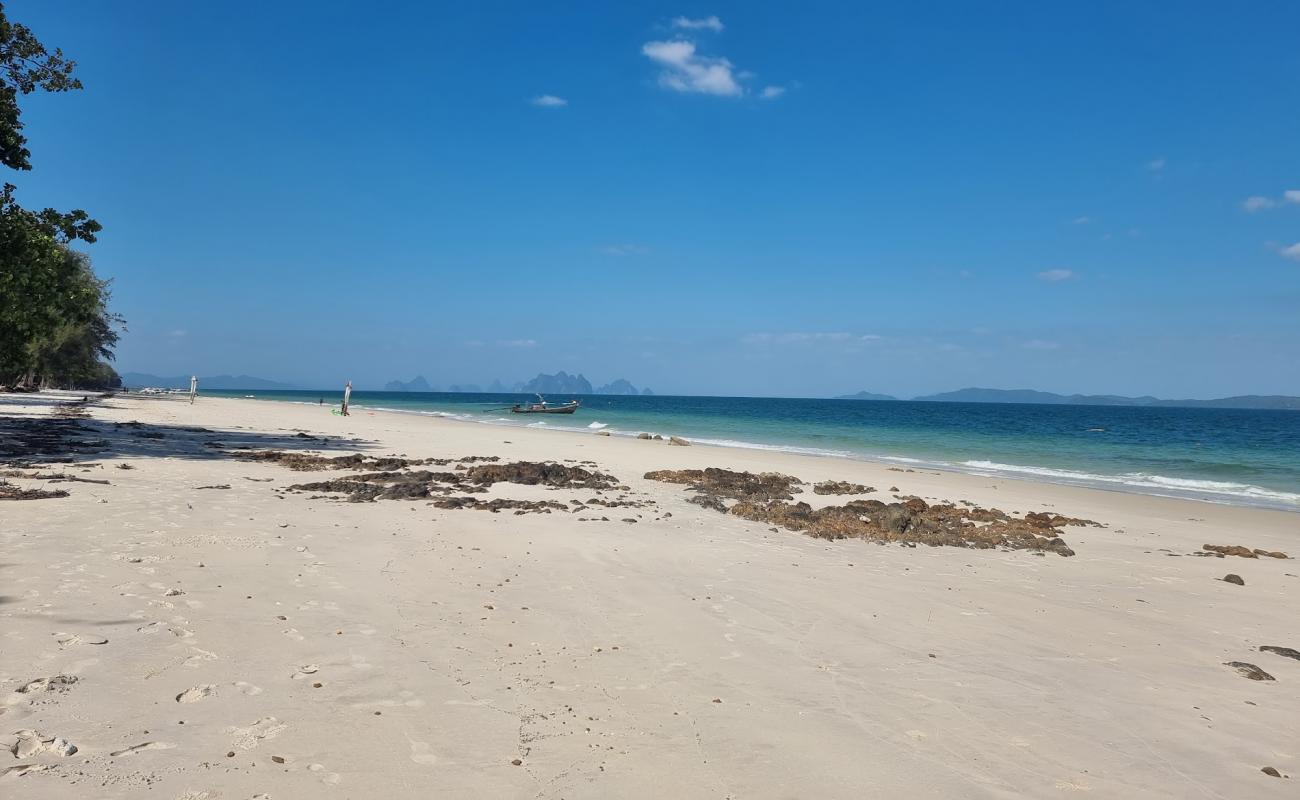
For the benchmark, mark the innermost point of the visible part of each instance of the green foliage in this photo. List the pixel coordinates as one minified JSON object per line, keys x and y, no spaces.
{"x":55,"y":324}
{"x":25,"y":66}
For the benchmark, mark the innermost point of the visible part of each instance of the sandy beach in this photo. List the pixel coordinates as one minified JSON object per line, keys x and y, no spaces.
{"x":194,"y":629}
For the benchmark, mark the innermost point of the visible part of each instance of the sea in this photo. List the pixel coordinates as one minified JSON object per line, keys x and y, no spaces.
{"x":1244,"y":457}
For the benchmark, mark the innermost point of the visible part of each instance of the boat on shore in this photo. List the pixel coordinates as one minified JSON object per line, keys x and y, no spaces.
{"x":542,"y":407}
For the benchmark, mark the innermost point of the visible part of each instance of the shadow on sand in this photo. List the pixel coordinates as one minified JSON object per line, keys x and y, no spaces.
{"x":69,"y":436}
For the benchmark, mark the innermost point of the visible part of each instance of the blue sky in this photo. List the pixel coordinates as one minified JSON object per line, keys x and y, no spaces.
{"x":718,"y":198}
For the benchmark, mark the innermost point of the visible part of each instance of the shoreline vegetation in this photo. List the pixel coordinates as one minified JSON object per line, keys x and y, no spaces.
{"x":56,"y":328}
{"x":379,"y":602}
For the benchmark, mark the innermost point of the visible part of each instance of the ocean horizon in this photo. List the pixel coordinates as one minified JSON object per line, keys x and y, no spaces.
{"x":1233,"y":456}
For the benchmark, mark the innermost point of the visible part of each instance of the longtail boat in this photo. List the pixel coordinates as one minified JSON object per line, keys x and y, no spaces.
{"x":542,"y":407}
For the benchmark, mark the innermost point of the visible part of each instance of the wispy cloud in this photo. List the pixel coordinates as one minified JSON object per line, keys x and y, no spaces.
{"x":1056,"y":275}
{"x":772,"y":92}
{"x":1040,"y":344}
{"x":625,"y":250}
{"x":178,"y":333}
{"x":1259,"y":202}
{"x":1292,"y":252}
{"x":685,"y":70}
{"x":549,"y":101}
{"x":519,"y":343}
{"x":803,"y":337}
{"x":1081,"y":220}
{"x":711,"y":23}
{"x":1156,"y":164}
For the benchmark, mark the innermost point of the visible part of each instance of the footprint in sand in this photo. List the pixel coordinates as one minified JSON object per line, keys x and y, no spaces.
{"x":196,"y":693}
{"x":251,"y":736}
{"x":246,"y":688}
{"x":29,"y":743}
{"x":420,"y":753}
{"x":304,"y":671}
{"x":140,"y":748}
{"x":326,"y":776}
{"x":292,"y":633}
{"x":67,"y":639}
{"x":200,"y":655}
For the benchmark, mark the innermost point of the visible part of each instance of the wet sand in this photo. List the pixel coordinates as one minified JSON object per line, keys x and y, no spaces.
{"x":191,"y":640}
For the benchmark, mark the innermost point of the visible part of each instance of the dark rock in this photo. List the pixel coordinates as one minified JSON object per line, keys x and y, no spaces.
{"x":841,"y":487}
{"x":1285,"y":652}
{"x":540,"y":473}
{"x":761,"y":498}
{"x":1232,"y":578}
{"x":1249,"y":671}
{"x":727,"y":483}
{"x":1230,"y":550}
{"x":1271,"y":772}
{"x":679,"y":441}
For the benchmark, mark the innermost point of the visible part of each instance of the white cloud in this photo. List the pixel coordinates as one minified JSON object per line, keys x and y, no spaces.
{"x":1257,"y":203}
{"x":178,"y":333}
{"x":772,"y":92}
{"x":803,"y":337}
{"x":625,"y":250}
{"x":1292,"y":252}
{"x":711,"y":23}
{"x":519,"y":343}
{"x":1291,"y":196}
{"x":1056,"y":275}
{"x":1155,"y":165}
{"x":549,"y":101}
{"x":1081,"y":220}
{"x":687,"y":71}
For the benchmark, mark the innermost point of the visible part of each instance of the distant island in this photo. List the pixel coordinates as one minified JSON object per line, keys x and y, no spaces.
{"x":564,"y":383}
{"x":866,"y":396}
{"x":559,"y":383}
{"x":976,"y":395}
{"x":416,"y":384}
{"x":141,"y":380}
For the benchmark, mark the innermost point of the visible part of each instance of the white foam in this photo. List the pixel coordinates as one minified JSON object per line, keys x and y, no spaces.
{"x":595,"y":426}
{"x":1179,"y":487}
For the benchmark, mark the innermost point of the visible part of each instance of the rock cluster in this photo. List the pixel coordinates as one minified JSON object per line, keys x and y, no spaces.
{"x":1239,"y":550}
{"x":310,"y":462}
{"x":1285,"y":652}
{"x":394,"y":484}
{"x":762,"y":498}
{"x":841,"y":487}
{"x":1249,"y":671}
{"x":499,"y":504}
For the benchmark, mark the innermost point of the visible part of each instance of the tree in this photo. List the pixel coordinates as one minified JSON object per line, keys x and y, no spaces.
{"x":55,"y":325}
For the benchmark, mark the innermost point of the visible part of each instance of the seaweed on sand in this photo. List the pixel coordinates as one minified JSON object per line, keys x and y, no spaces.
{"x":759,"y":498}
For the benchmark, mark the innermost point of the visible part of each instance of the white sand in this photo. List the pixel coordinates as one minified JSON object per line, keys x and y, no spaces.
{"x":448,"y":643}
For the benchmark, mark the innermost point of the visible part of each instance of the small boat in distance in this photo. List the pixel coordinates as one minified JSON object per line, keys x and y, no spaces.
{"x":541,"y":407}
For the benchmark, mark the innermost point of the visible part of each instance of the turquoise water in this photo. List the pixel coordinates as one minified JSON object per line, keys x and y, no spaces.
{"x":1221,"y":455}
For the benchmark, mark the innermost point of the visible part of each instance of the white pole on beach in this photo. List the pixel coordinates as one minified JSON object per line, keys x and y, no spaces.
{"x":194,"y":387}
{"x":347,"y":395}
